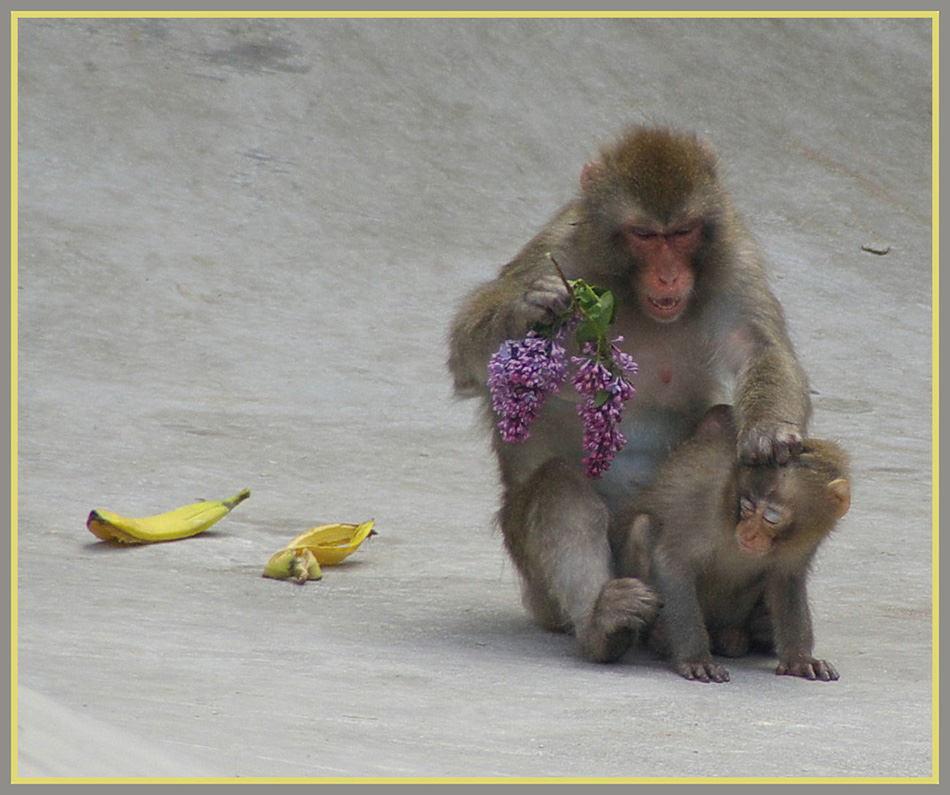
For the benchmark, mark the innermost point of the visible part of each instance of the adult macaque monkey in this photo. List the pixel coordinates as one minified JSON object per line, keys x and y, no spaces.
{"x":653,"y":225}
{"x":727,"y":546}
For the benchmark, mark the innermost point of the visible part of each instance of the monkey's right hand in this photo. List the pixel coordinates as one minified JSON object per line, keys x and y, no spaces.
{"x":702,"y":671}
{"x":543,"y":302}
{"x":767,"y":442}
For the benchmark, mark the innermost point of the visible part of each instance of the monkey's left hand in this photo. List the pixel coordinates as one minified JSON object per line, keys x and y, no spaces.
{"x":769,"y":441}
{"x":808,"y":669}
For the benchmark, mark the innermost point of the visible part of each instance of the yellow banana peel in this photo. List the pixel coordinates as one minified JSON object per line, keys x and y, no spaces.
{"x":333,"y":543}
{"x":325,"y":545}
{"x":180,"y":523}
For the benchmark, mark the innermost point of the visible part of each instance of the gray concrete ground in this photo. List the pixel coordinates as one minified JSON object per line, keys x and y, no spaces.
{"x":240,"y":244}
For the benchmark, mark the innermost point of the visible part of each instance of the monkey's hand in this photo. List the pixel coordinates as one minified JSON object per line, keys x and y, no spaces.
{"x":808,"y":668}
{"x":769,"y":441}
{"x":702,"y":671}
{"x":543,"y":302}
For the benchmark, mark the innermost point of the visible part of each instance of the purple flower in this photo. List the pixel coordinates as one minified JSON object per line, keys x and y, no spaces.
{"x":600,"y":379}
{"x":522,"y":373}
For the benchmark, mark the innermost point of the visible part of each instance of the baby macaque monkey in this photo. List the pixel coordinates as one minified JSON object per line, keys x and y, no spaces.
{"x":728,"y":546}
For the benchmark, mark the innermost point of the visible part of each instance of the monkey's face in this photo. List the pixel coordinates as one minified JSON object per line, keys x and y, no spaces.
{"x":792,"y":506}
{"x":761,"y":521}
{"x":765,"y":514}
{"x":651,"y":196}
{"x":664,"y":258}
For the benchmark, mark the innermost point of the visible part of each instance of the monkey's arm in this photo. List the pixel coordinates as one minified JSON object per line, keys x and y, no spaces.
{"x":772,"y":400}
{"x":681,"y":619}
{"x":788,"y":602}
{"x":527,"y":291}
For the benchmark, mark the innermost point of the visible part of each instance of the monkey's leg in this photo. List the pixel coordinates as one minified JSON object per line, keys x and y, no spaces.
{"x":555,"y":528}
{"x":682,"y":627}
{"x":787,"y":600}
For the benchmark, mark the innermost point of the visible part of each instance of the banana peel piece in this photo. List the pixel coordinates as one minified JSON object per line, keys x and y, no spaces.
{"x":293,"y":564}
{"x":326,"y":545}
{"x":171,"y":526}
{"x":333,"y":543}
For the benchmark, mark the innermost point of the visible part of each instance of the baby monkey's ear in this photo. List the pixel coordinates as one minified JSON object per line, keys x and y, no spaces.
{"x":839,"y":495}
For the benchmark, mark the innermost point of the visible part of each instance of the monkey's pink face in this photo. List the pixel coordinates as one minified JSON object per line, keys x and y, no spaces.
{"x":753,"y":539}
{"x":759,"y":523}
{"x":666,"y":276}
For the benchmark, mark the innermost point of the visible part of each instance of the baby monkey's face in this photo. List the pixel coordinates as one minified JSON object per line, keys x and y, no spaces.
{"x":787,"y":506}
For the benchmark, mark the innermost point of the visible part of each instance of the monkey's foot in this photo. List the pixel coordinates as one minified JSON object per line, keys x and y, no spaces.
{"x":624,"y":607}
{"x":819,"y":670}
{"x":708,"y":671}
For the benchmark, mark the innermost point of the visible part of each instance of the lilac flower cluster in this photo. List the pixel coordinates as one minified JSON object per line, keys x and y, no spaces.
{"x":522,"y":373}
{"x":600,"y":379}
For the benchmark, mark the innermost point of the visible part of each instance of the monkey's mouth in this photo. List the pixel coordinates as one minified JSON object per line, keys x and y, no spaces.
{"x":665,"y":308}
{"x":752,"y":552}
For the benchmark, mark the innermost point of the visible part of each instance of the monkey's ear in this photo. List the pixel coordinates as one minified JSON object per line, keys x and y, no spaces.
{"x":591,"y":172}
{"x":839,"y":493}
{"x":710,"y":154}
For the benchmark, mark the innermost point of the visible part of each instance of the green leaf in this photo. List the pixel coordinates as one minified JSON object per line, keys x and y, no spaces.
{"x":583,"y":293}
{"x":587,"y":332}
{"x":598,"y":310}
{"x":606,"y":309}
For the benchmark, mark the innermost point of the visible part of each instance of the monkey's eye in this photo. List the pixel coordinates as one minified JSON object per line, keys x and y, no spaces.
{"x":772,"y":515}
{"x":686,"y":230}
{"x":642,"y":234}
{"x":746,"y":506}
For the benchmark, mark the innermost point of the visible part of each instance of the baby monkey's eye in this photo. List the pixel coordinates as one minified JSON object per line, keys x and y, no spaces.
{"x":746,"y":506}
{"x":772,"y":515}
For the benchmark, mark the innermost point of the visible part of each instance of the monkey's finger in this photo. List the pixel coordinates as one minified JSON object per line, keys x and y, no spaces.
{"x":786,"y":447}
{"x":718,"y":673}
{"x":770,"y":441}
{"x":825,"y":671}
{"x":689,"y":671}
{"x":814,"y":670}
{"x":702,"y":672}
{"x":537,"y":306}
{"x":550,"y":303}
